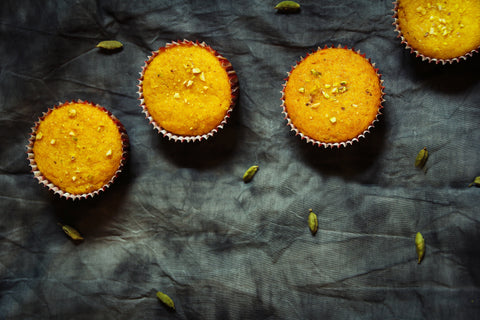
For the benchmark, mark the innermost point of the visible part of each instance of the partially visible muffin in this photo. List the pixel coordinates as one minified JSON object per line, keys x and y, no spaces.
{"x":77,"y":149}
{"x":332,"y":97}
{"x":439,"y":31}
{"x":187,"y":90}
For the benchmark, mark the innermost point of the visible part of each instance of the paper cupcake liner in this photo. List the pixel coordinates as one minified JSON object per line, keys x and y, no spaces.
{"x":332,"y":144}
{"x":54,"y":188}
{"x":417,"y":53}
{"x":233,"y":79}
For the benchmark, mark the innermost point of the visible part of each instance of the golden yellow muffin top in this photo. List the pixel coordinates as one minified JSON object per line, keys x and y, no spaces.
{"x":333,"y":95}
{"x":440,"y":29}
{"x":78,"y":147}
{"x":186,"y":89}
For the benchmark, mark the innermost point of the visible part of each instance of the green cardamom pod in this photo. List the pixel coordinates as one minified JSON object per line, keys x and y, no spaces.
{"x":248,"y":175}
{"x":420,"y":246}
{"x":476,"y":182}
{"x":71,"y":232}
{"x":312,"y":222}
{"x":287,"y":7}
{"x":166,"y":299}
{"x":421,"y":158}
{"x":110,"y":45}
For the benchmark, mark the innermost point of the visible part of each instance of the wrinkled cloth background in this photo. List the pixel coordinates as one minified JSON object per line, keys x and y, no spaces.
{"x":180,"y":219}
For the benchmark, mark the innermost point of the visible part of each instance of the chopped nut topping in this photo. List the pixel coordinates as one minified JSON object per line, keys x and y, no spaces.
{"x":176,"y":95}
{"x":333,"y":119}
{"x":327,"y":85}
{"x":325,"y":95}
{"x":302,"y":90}
{"x":74,"y":178}
{"x":109,"y":153}
{"x":315,"y":72}
{"x":335,"y":90}
{"x":72,"y":133}
{"x":421,"y":10}
{"x":189,"y":83}
{"x":315,"y":105}
{"x":202,"y":76}
{"x":196,"y":70}
{"x":39,"y":136}
{"x":205,"y":87}
{"x":72,"y":113}
{"x":52,"y":141}
{"x":343,"y":83}
{"x":354,"y":105}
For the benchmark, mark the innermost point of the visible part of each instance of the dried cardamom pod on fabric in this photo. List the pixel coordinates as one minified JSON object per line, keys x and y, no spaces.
{"x":166,"y":299}
{"x":287,"y":7}
{"x":110,"y":45}
{"x":420,"y":246}
{"x":476,"y":182}
{"x":312,"y":222}
{"x":248,"y":175}
{"x":71,"y":232}
{"x":421,"y":158}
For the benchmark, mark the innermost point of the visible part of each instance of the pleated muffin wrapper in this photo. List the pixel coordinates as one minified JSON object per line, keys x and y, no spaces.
{"x":417,"y":53}
{"x":341,"y":143}
{"x":54,"y":188}
{"x":233,"y":79}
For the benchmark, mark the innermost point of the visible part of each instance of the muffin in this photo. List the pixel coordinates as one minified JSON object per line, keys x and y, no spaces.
{"x":439,"y":31}
{"x":187,"y":90}
{"x":332,"y":97}
{"x":77,"y":149}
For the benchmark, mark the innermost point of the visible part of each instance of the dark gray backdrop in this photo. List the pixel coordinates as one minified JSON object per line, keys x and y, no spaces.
{"x":180,"y":219}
